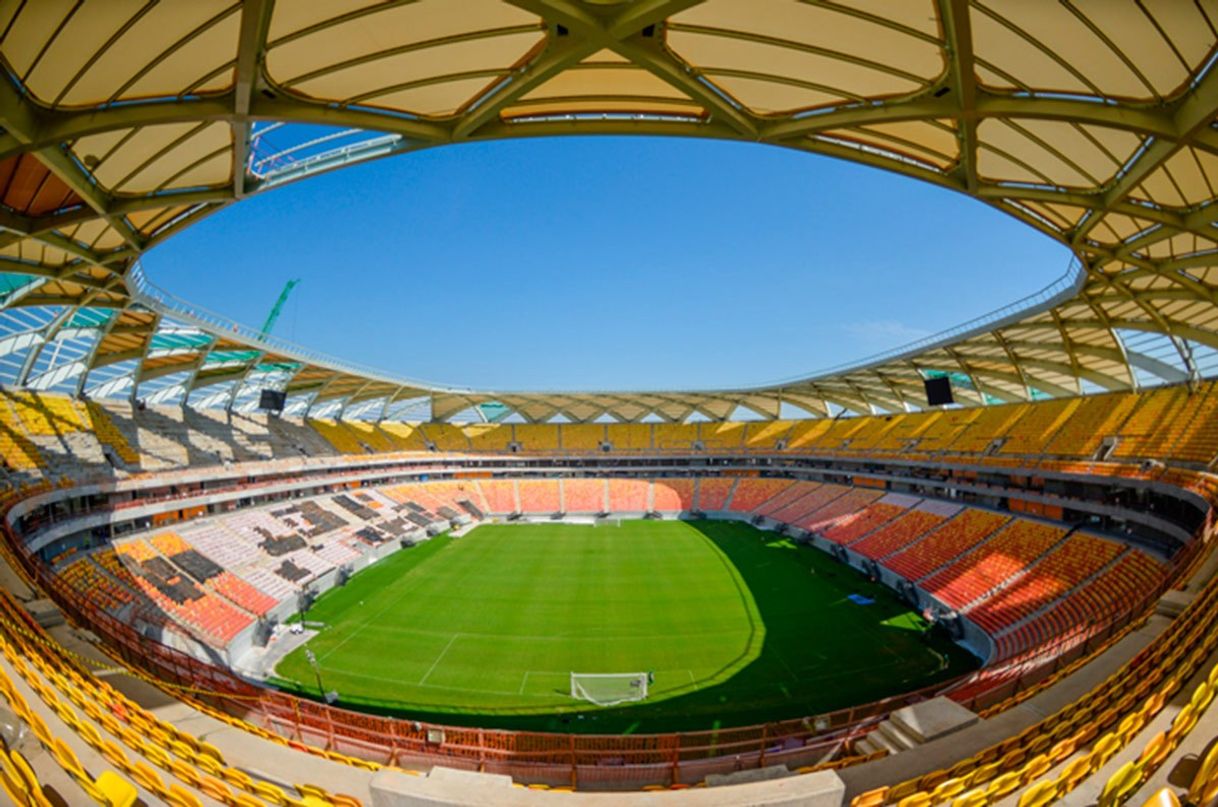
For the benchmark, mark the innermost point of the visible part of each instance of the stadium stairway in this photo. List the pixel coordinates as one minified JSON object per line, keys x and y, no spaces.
{"x":906,"y":729}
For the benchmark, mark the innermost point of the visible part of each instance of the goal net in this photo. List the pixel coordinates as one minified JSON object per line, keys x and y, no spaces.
{"x":609,"y":689}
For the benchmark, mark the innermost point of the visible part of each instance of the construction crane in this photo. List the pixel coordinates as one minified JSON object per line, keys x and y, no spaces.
{"x":274,"y":315}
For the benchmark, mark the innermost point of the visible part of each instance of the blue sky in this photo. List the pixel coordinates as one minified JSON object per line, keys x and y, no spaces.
{"x":607,"y":263}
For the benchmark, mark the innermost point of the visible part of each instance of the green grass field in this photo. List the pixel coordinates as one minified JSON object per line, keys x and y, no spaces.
{"x":485,"y":629}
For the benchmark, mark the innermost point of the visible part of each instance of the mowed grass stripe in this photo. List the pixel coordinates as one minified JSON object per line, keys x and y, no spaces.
{"x":484,"y":630}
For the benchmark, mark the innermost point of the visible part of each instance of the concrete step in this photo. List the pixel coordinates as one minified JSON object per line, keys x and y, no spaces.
{"x":898,"y":736}
{"x":865,"y":746}
{"x":878,"y":740}
{"x":931,"y":719}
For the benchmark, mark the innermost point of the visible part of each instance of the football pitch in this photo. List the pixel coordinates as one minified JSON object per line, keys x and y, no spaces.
{"x":739,"y":626}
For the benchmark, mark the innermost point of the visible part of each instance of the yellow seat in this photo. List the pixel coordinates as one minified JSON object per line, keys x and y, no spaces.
{"x":1104,"y":748}
{"x":25,"y":772}
{"x":147,"y":778}
{"x":362,"y":763}
{"x":34,"y":794}
{"x":1012,"y":760}
{"x":215,"y":789}
{"x":180,"y":797}
{"x":156,"y":734}
{"x":66,"y":714}
{"x":1121,"y":785}
{"x":110,"y":723}
{"x":872,"y":798}
{"x":1076,"y":771}
{"x":900,"y":791}
{"x":1202,"y":695}
{"x":183,"y":737}
{"x":1039,"y":745}
{"x":1156,"y":751}
{"x":271,"y":793}
{"x":932,"y":780}
{"x":1164,"y":797}
{"x":209,"y":766}
{"x":155,"y":755}
{"x":948,"y":789}
{"x":987,"y":756}
{"x":1004,"y":784}
{"x":1085,"y":733}
{"x":1204,"y":787}
{"x":132,"y":737}
{"x":1062,"y":750}
{"x":1035,"y":768}
{"x":1040,"y":794}
{"x":89,"y":733}
{"x":916,"y":800}
{"x":237,"y":778}
{"x":185,"y":772}
{"x":11,"y":781}
{"x":117,"y":790}
{"x":183,"y":750}
{"x":207,"y":749}
{"x":982,"y":774}
{"x":39,"y":727}
{"x":115,"y":755}
{"x":973,"y":798}
{"x":1183,"y":723}
{"x":313,"y":791}
{"x":961,"y":768}
{"x":1130,"y":725}
{"x":67,"y":759}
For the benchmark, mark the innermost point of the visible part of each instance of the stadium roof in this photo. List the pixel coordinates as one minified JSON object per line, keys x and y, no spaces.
{"x":1092,"y":121}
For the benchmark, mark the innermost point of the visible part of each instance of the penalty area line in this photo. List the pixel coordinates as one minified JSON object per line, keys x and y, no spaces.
{"x":443,"y":652}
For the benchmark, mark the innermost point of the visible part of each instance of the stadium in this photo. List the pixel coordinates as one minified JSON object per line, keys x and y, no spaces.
{"x":973,"y":569}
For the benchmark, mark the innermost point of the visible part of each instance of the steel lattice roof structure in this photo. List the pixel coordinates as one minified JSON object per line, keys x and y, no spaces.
{"x":125,"y":121}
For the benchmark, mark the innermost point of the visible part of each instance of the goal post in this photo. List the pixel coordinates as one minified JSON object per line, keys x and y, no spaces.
{"x":610,"y":689}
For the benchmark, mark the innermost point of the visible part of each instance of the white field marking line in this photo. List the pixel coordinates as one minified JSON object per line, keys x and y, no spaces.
{"x":556,"y":637}
{"x":370,"y":619}
{"x":399,"y":682}
{"x":416,"y":571}
{"x":786,"y":666}
{"x":523,"y":681}
{"x":443,"y":652}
